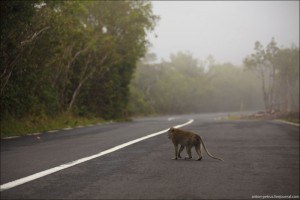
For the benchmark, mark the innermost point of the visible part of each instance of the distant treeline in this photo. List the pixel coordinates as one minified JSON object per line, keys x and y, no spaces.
{"x":268,"y":81}
{"x":186,"y":85}
{"x":70,"y":56}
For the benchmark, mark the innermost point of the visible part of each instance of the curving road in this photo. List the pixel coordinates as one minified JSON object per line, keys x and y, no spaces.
{"x":261,"y":158}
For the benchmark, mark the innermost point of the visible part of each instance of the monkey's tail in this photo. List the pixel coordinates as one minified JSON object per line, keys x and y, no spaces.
{"x":209,"y":154}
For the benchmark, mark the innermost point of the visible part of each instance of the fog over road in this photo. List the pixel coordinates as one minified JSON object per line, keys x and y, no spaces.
{"x":261,"y":158}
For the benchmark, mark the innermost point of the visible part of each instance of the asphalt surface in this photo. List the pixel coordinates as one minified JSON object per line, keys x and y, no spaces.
{"x":261,"y":158}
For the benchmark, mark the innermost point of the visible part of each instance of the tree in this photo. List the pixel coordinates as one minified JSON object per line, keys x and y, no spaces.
{"x":15,"y":16}
{"x":262,"y":62}
{"x":118,"y":49}
{"x":56,"y":54}
{"x":287,"y":76}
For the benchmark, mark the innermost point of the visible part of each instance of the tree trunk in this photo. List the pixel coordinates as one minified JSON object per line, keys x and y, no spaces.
{"x":74,"y":96}
{"x":287,"y":96}
{"x":265,"y":94}
{"x":81,"y":81}
{"x":84,"y":77}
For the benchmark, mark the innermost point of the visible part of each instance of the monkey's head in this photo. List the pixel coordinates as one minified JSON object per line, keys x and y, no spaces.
{"x":170,"y":132}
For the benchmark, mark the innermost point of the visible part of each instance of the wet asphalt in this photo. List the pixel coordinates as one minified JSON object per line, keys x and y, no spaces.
{"x":260,"y":158}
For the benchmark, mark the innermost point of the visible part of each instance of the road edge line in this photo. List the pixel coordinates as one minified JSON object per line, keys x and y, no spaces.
{"x":286,"y":122}
{"x":41,"y":174}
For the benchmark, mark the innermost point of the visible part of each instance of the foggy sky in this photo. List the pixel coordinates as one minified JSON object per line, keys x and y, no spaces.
{"x":227,"y":30}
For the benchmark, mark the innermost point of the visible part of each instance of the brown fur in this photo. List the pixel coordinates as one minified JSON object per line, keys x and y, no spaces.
{"x":188,"y":140}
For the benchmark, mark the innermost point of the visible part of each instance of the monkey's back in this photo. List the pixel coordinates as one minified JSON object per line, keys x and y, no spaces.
{"x":185,"y":137}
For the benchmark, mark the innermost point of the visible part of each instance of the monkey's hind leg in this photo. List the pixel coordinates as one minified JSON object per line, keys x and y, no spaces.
{"x":189,"y":152}
{"x":198,"y":149}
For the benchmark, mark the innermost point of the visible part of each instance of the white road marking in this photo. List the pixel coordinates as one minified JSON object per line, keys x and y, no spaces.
{"x":172,"y":118}
{"x":52,"y":131}
{"x":41,"y":174}
{"x":11,"y":137}
{"x":35,"y":134}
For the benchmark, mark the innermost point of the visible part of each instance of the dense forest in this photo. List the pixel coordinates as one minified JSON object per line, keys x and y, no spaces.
{"x":89,"y":59}
{"x":70,"y":56}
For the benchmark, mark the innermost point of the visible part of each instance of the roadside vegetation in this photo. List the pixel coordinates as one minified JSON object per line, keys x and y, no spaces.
{"x":74,"y":57}
{"x":38,"y":124}
{"x":292,"y":117}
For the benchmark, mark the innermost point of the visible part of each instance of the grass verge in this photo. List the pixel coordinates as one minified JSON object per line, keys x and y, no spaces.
{"x":293,"y":120}
{"x":35,"y":124}
{"x":289,"y":117}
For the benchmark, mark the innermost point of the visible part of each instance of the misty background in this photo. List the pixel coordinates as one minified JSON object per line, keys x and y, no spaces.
{"x":65,"y":63}
{"x":225,"y":29}
{"x":198,"y":58}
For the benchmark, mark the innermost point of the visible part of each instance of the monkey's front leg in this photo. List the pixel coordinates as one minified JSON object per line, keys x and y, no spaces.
{"x":176,"y":152}
{"x":180,"y":150}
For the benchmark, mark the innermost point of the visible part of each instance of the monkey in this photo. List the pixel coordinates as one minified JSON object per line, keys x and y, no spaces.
{"x":187,"y":139}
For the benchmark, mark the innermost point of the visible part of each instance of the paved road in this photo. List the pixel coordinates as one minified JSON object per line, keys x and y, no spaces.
{"x":261,"y":158}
